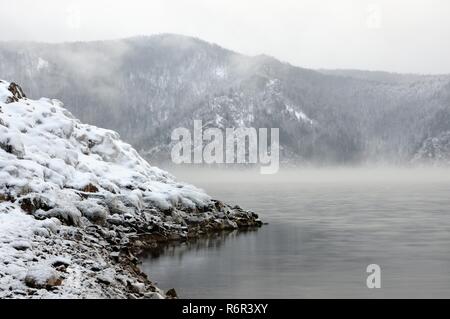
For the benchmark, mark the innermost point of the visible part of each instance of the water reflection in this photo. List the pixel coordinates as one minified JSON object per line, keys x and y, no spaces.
{"x":210,"y":241}
{"x":321,"y":237}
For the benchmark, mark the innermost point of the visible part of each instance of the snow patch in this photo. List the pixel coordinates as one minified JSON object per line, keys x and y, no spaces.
{"x":42,"y":64}
{"x":220,"y":72}
{"x":299,"y":115}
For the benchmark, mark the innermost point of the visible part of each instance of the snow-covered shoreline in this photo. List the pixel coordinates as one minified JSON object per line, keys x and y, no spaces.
{"x":77,"y":205}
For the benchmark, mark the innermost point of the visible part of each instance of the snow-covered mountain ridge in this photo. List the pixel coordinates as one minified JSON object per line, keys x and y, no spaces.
{"x":144,"y":87}
{"x":76,"y":204}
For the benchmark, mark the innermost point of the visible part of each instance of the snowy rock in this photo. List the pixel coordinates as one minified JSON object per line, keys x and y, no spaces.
{"x":42,"y":277}
{"x":106,"y":277}
{"x":117,"y":206}
{"x":51,"y":224}
{"x":138,"y":287}
{"x":11,"y":143}
{"x":69,"y":215}
{"x":94,"y":211}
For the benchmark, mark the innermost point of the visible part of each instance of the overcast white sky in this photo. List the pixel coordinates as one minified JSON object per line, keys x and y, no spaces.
{"x":392,"y":35}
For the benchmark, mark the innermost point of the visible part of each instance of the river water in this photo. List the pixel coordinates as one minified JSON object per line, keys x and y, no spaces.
{"x":325,"y":227}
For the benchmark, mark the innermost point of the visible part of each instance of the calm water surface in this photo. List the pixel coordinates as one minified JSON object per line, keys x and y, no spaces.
{"x":321,"y":236}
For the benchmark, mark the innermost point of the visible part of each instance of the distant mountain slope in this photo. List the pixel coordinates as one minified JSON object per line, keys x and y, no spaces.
{"x":435,"y":150}
{"x":144,"y":87}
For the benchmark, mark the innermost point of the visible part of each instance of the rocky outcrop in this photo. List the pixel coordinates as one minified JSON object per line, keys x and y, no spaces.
{"x":17,"y":93}
{"x":78,"y":206}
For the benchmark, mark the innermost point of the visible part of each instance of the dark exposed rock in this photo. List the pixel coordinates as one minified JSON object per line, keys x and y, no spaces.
{"x":17,"y":93}
{"x":137,"y":287}
{"x":60,"y":262}
{"x":171,"y":293}
{"x":34,"y":202}
{"x":13,"y":147}
{"x":115,"y":221}
{"x":3,"y":123}
{"x":96,"y":268}
{"x":6,"y":198}
{"x":21,"y":245}
{"x":103,"y":280}
{"x":90,"y":188}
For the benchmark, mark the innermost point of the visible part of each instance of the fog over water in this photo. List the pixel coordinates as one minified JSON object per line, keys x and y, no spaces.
{"x":325,"y":226}
{"x":203,"y":176}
